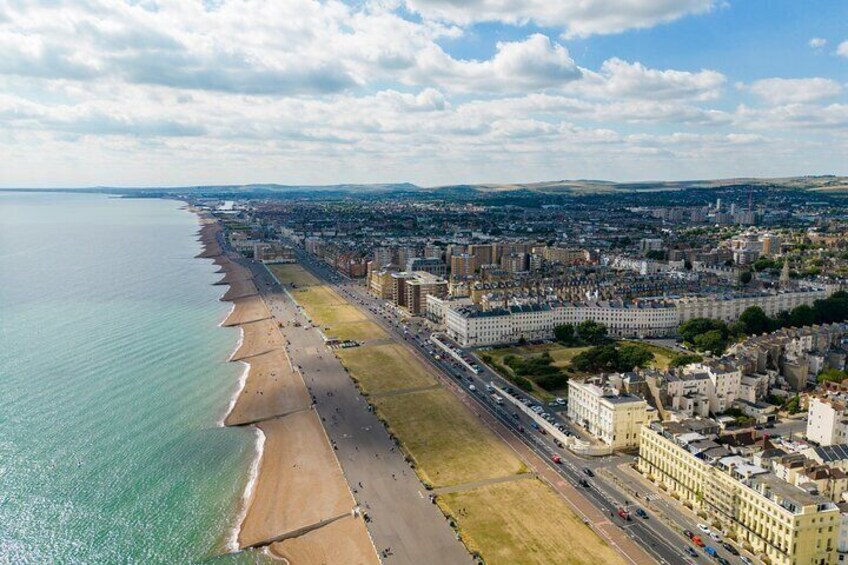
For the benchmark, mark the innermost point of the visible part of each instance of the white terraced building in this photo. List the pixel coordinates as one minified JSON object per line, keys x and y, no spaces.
{"x":473,"y":326}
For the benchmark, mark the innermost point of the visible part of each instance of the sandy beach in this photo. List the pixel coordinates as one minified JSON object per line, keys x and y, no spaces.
{"x":246,"y":310}
{"x":240,"y":289}
{"x":300,"y":504}
{"x":271,"y":389}
{"x":344,"y":541}
{"x":297,"y":487}
{"x":257,"y":338}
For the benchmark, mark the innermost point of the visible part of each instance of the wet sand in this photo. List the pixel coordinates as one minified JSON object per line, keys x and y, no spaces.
{"x":300,"y":483}
{"x":271,"y":389}
{"x":257,"y":338}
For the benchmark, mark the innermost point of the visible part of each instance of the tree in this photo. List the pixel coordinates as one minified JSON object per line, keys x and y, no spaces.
{"x":696,"y":326}
{"x":745,"y":277}
{"x":712,"y":341}
{"x":831,"y":376}
{"x":685,"y":359}
{"x":802,"y":315}
{"x":565,"y":334}
{"x":655,"y":254}
{"x":592,"y":332}
{"x":755,"y":320}
{"x":632,"y":356}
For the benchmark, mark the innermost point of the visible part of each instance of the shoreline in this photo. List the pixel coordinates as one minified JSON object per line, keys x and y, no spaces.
{"x":296,"y":504}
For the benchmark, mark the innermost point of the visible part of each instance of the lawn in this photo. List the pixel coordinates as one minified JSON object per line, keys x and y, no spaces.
{"x":562,"y":359}
{"x":288,"y":274}
{"x":382,"y":368}
{"x":525,"y":522}
{"x":448,"y":443}
{"x":326,"y":307}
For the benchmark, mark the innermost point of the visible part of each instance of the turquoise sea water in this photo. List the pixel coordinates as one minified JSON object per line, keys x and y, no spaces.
{"x":113,"y":381}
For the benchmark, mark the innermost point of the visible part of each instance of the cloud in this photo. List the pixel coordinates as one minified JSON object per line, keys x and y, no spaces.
{"x":792,"y":91}
{"x":535,"y":62}
{"x":842,"y":50}
{"x":817,"y":42}
{"x":579,"y":18}
{"x":618,"y":78}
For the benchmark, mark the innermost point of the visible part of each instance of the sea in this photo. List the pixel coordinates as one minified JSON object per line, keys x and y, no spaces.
{"x":114,"y":382}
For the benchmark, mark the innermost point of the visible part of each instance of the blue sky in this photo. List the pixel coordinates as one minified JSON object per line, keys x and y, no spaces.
{"x":173,"y":92}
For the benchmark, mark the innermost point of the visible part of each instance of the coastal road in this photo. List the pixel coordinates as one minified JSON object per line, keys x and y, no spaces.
{"x":402,"y":519}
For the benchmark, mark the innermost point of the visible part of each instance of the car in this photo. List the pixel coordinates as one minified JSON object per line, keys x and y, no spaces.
{"x":715,"y":536}
{"x":721,"y":560}
{"x":623,"y":514}
{"x":710,"y":550}
{"x":588,"y":472}
{"x":584,"y":483}
{"x":730,"y":549}
{"x":746,"y":560}
{"x":704,"y":528}
{"x":534,"y":425}
{"x":691,"y":552}
{"x":515,"y":416}
{"x":521,"y":429}
{"x":558,"y":443}
{"x":641,"y":513}
{"x":472,"y":388}
{"x":698,"y":541}
{"x":556,"y":459}
{"x":688,"y":533}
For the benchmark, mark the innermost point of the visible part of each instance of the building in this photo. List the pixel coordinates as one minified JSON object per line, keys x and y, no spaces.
{"x":729,"y":307}
{"x":476,"y":326}
{"x":419,"y":287}
{"x":779,"y":521}
{"x":827,"y":420}
{"x":462,"y":265}
{"x":427,"y":265}
{"x":612,"y":417}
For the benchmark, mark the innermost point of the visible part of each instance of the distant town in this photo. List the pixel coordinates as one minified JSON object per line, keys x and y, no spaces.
{"x":679,"y":357}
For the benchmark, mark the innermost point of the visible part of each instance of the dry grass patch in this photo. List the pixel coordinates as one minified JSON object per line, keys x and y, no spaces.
{"x":447,"y":441}
{"x":382,"y":368}
{"x":525,"y":522}
{"x":288,"y":274}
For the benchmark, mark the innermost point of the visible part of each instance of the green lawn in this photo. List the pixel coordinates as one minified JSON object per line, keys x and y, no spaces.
{"x":525,"y":523}
{"x":382,"y":368}
{"x":448,"y":443}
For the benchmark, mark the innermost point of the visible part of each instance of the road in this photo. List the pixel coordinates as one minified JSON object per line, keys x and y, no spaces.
{"x":401,"y":517}
{"x":666,"y":544}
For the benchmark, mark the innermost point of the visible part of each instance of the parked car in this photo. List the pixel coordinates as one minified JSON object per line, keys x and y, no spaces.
{"x":588,"y":471}
{"x":704,"y":528}
{"x":730,"y":549}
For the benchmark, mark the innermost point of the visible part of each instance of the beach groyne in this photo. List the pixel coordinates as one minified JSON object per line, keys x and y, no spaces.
{"x":298,"y":507}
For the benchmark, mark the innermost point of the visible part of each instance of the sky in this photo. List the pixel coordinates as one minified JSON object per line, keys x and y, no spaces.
{"x":433,"y":92}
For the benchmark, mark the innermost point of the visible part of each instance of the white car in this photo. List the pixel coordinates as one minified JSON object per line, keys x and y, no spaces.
{"x":704,"y":528}
{"x":715,"y":536}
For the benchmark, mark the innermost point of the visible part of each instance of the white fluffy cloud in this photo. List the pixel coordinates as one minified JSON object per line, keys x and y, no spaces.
{"x":817,"y":42}
{"x":193,"y":91}
{"x":576,"y":17}
{"x":842,"y":50}
{"x":618,"y":78}
{"x":795,"y":90}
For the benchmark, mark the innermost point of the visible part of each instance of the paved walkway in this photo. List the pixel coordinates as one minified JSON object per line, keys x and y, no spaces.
{"x":401,"y":516}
